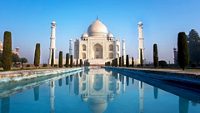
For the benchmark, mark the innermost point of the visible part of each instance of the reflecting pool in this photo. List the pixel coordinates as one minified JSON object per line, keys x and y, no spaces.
{"x":93,"y":91}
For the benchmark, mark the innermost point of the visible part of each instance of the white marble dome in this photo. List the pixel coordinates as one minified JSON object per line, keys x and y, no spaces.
{"x":85,"y":35}
{"x":110,"y":35}
{"x":97,"y":105}
{"x":97,"y":28}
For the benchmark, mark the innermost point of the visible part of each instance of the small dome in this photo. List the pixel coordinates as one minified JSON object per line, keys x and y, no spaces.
{"x":97,"y":105}
{"x":97,"y":28}
{"x":140,"y":23}
{"x":53,"y":23}
{"x":110,"y":35}
{"x":84,"y":97}
{"x":85,"y":35}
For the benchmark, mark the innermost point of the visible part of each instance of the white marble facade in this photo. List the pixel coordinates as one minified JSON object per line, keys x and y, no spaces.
{"x":97,"y":45}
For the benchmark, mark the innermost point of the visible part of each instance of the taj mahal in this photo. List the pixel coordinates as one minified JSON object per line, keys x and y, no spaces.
{"x":98,"y":45}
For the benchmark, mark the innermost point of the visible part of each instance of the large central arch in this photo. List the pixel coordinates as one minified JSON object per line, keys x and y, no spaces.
{"x":98,"y":51}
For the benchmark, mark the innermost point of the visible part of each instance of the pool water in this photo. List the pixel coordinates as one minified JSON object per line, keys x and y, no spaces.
{"x":93,"y":91}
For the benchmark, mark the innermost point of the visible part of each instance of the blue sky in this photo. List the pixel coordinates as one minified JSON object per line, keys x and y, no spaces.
{"x":29,"y":21}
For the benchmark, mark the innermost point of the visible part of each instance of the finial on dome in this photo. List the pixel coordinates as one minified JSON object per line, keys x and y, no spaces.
{"x":97,"y":18}
{"x":140,"y":23}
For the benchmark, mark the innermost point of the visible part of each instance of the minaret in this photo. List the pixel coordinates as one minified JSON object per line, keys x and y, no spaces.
{"x":141,"y":41}
{"x":124,"y":50}
{"x":70,"y":47}
{"x":124,"y":84}
{"x":52,"y":96}
{"x":52,"y":41}
{"x":175,"y":56}
{"x":141,"y":97}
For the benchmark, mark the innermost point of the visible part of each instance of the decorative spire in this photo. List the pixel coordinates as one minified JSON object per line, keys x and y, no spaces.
{"x":97,"y":18}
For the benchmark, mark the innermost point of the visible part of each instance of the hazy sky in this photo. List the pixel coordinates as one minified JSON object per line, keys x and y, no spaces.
{"x":29,"y":21}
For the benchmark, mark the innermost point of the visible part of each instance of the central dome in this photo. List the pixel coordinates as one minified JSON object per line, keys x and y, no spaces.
{"x":97,"y":28}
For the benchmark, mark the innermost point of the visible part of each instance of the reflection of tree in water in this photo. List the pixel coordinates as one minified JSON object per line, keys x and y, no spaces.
{"x":183,"y":105}
{"x":36,"y":93}
{"x":127,"y":81}
{"x":155,"y":90}
{"x":67,"y":80}
{"x":132,"y":80}
{"x":5,"y":105}
{"x":60,"y":82}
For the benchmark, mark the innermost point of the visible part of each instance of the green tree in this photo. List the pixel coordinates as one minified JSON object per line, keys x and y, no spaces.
{"x":7,"y":51}
{"x":23,"y":60}
{"x":52,"y":58}
{"x":183,"y":52}
{"x":1,"y":58}
{"x":132,"y":62}
{"x":141,"y":58}
{"x":60,"y":59}
{"x":122,"y":61}
{"x":71,"y":60}
{"x":15,"y":58}
{"x":162,"y":63}
{"x":127,"y":61}
{"x":81,"y":63}
{"x":37,"y":55}
{"x":194,"y":47}
{"x":67,"y":60}
{"x":155,"y":55}
{"x":76,"y":62}
{"x":116,"y":62}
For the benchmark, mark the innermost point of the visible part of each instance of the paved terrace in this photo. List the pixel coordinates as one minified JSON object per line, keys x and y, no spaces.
{"x":190,"y":77}
{"x":189,"y":72}
{"x":28,"y":74}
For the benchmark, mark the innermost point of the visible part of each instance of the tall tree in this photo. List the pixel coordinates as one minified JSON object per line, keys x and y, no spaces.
{"x":127,"y":61}
{"x":71,"y":60}
{"x":60,"y":59}
{"x":81,"y":63}
{"x":1,"y":58}
{"x":183,"y":52}
{"x":76,"y":62}
{"x":67,"y":60}
{"x":122,"y":61}
{"x":37,"y":55}
{"x":15,"y":58}
{"x":23,"y":60}
{"x":132,"y":62}
{"x":116,"y":62}
{"x":7,"y":51}
{"x":155,"y":55}
{"x":141,"y":58}
{"x":52,"y":58}
{"x":194,"y":47}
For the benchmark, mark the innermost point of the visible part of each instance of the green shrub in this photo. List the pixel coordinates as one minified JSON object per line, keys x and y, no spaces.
{"x":60,"y":59}
{"x":37,"y":55}
{"x":183,"y":52}
{"x":7,"y":51}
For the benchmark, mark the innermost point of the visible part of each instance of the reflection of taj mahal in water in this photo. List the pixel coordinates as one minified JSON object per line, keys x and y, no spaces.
{"x":98,"y":87}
